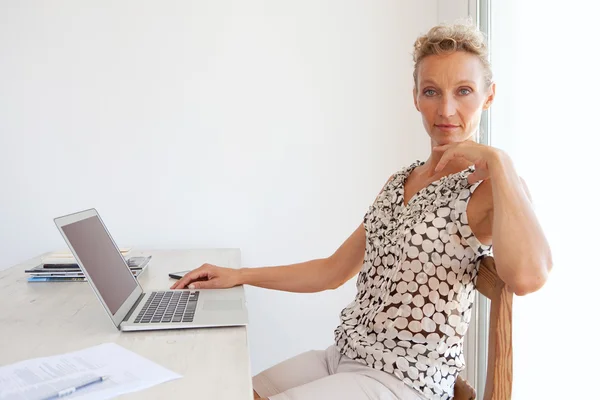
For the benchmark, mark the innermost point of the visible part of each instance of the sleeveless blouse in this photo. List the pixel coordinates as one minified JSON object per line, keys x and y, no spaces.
{"x":416,"y":287}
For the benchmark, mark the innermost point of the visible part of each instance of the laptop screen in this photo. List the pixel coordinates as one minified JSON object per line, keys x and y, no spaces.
{"x":102,"y":261}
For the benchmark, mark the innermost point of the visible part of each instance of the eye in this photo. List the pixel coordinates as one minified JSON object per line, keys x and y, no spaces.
{"x":429,"y":92}
{"x":464,"y":91}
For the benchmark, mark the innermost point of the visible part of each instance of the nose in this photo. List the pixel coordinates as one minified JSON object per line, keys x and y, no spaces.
{"x":447,"y":106}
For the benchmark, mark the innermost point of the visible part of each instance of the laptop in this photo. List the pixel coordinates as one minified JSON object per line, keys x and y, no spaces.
{"x":129,"y":307}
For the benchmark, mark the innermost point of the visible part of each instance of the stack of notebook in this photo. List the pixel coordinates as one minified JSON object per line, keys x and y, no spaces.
{"x":62,"y":267}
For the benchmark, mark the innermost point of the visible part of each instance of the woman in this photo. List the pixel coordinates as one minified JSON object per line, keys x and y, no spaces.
{"x":417,"y":249}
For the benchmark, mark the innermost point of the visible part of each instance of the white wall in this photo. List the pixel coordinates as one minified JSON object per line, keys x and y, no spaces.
{"x":545,"y":117}
{"x":264,"y":125}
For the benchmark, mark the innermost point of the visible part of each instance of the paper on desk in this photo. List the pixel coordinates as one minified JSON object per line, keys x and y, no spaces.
{"x":40,"y":377}
{"x":66,"y":256}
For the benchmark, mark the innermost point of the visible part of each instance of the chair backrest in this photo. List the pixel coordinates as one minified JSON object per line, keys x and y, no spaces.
{"x":498,"y":384}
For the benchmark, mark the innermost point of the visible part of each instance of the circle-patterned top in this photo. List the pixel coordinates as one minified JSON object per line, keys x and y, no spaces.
{"x":417,"y":284}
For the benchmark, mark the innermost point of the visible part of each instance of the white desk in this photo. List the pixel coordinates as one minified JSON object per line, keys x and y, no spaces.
{"x":46,"y":318}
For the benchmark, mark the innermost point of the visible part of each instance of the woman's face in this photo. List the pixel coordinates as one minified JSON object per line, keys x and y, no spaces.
{"x":450,"y":95}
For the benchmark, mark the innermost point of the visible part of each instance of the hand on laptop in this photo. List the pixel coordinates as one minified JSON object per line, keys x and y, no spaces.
{"x":208,"y":276}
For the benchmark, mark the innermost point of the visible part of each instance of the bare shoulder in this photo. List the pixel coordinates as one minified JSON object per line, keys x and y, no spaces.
{"x":483,"y":197}
{"x":480,"y":212}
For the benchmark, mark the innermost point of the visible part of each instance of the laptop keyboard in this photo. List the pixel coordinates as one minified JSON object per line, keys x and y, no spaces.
{"x":171,"y":306}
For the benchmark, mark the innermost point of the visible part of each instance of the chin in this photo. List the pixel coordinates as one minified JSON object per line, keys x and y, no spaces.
{"x":442,"y":138}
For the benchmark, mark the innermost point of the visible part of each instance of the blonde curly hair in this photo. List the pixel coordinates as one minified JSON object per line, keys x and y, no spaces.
{"x":448,"y":38}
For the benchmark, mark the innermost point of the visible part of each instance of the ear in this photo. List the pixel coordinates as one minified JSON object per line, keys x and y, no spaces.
{"x":491,"y":96}
{"x":415,"y":98}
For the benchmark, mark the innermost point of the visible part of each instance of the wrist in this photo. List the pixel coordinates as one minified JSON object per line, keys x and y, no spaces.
{"x":240,"y":276}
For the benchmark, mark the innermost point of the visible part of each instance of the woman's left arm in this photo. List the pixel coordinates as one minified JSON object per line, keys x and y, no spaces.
{"x":521,"y":252}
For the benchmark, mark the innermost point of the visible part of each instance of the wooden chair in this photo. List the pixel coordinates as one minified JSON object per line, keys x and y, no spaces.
{"x":498,"y":384}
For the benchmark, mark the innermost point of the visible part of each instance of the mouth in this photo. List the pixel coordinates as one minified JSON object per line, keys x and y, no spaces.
{"x":447,"y":127}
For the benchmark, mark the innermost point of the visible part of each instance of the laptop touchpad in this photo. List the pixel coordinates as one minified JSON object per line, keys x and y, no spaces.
{"x":222,"y":305}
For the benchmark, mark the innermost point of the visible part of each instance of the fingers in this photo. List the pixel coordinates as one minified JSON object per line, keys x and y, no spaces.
{"x":197,"y":274}
{"x":208,"y":284}
{"x":446,"y":157}
{"x":442,"y":147}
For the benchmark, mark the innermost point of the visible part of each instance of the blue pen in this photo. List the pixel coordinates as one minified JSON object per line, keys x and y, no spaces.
{"x":73,"y":389}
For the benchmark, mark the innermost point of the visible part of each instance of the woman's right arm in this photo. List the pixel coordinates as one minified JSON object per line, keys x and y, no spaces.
{"x":306,"y":277}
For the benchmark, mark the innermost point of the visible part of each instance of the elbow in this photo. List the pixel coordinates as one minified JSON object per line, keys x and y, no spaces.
{"x":329,"y":280}
{"x":522,"y":289}
{"x":334,"y":283}
{"x":532,"y":282}
{"x":333,"y":274}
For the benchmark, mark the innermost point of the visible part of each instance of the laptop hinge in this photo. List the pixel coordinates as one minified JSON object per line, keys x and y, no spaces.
{"x":132,"y":309}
